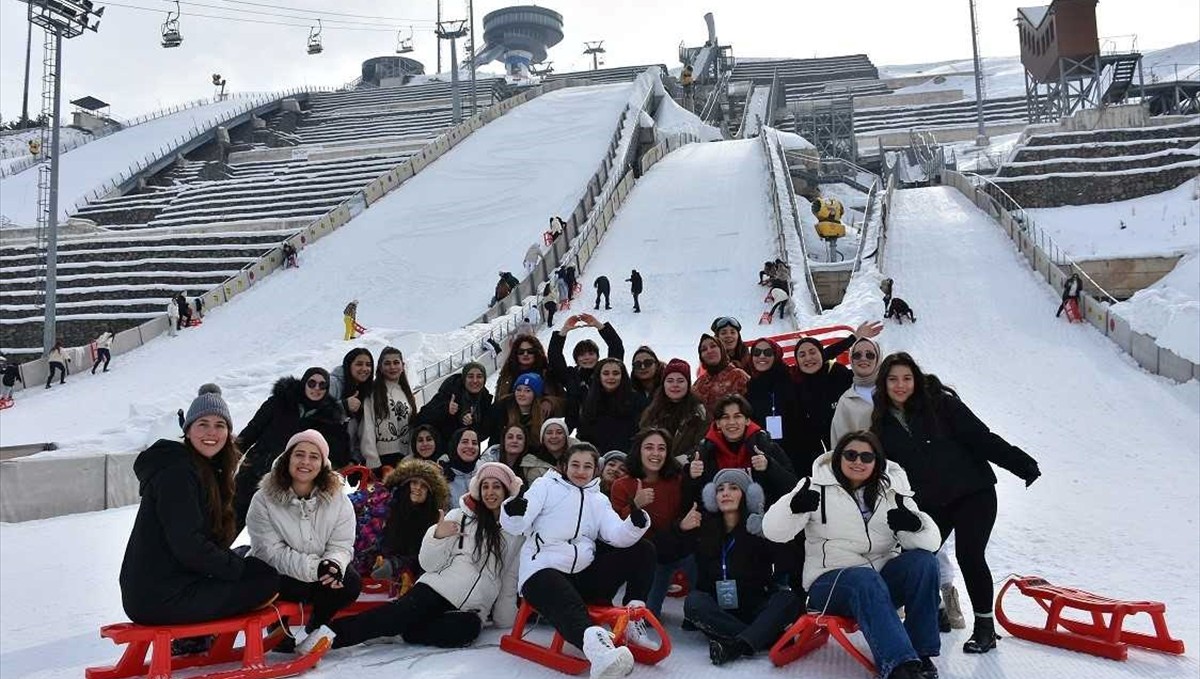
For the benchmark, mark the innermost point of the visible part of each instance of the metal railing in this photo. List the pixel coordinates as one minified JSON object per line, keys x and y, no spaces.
{"x":714,"y":97}
{"x":781,"y":183}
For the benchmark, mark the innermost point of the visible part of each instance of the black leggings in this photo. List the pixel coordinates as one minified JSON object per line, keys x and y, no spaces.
{"x":326,"y":601}
{"x":102,"y":356}
{"x":423,"y":616}
{"x":563,"y":599}
{"x":971,"y":518}
{"x":211,"y":599}
{"x":61,"y":368}
{"x":550,"y":308}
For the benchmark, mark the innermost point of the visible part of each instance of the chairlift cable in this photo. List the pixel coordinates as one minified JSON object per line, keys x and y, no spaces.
{"x":326,"y":12}
{"x":193,"y":15}
{"x":286,"y":16}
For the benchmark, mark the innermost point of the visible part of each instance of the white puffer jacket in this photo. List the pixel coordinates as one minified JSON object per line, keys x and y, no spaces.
{"x":562,"y":523}
{"x":294,"y":535}
{"x":452,"y":570}
{"x":835,"y":535}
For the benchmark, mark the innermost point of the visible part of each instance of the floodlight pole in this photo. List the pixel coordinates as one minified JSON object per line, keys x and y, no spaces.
{"x":49,"y":332}
{"x":452,"y":30}
{"x":28,"y":58}
{"x":439,"y":42}
{"x":981,"y":138}
{"x":471,"y":30}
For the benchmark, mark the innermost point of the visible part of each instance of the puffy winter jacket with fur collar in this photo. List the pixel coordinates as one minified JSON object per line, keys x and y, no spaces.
{"x":835,"y":535}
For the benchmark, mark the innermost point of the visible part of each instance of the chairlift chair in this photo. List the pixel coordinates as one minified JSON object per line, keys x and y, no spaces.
{"x":170,"y":29}
{"x":404,"y":45}
{"x":314,"y":39}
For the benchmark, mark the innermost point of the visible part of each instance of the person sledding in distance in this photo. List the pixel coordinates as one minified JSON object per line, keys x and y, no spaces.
{"x":563,"y":517}
{"x":470,"y":574}
{"x":350,"y":320}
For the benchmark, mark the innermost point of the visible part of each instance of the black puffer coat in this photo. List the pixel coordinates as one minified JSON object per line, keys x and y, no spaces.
{"x":748,"y":561}
{"x":773,"y":393}
{"x":613,"y":422}
{"x":437,"y":411}
{"x":816,"y":398}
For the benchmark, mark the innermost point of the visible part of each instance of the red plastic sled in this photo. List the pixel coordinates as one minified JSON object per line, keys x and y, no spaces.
{"x":192,"y":322}
{"x":1073,"y":314}
{"x":6,"y":403}
{"x":811,"y":632}
{"x":554,"y":657}
{"x":1107,"y":640}
{"x":157,"y":640}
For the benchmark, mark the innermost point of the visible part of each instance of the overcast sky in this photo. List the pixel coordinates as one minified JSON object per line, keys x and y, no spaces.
{"x":124,"y":65}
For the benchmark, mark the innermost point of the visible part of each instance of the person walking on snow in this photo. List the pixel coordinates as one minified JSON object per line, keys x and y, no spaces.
{"x":532,"y":255}
{"x":549,"y":302}
{"x":10,"y":374}
{"x":560,"y":281}
{"x":103,"y":352}
{"x":1072,"y":288}
{"x":350,"y":319}
{"x":635,"y":288}
{"x":58,"y":362}
{"x":172,"y":317}
{"x":603,"y":289}
{"x":185,"y":311}
{"x":569,"y":274}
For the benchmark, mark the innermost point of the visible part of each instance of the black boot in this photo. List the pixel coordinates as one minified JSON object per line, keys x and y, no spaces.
{"x":907,"y":670}
{"x":721,"y":651}
{"x":983,"y":638}
{"x":928,"y":669}
{"x":191,"y":645}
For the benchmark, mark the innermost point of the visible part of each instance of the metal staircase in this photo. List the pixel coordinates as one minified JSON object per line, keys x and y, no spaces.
{"x":1123,"y":69}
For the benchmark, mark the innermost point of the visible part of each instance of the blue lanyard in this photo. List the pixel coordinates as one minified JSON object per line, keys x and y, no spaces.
{"x":724,"y":558}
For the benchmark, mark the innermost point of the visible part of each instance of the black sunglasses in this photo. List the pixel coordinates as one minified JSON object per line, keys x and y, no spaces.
{"x":317,"y":384}
{"x":869,"y":355}
{"x":644,"y":363}
{"x":529,"y":351}
{"x":762,"y":352}
{"x":867,"y":457}
{"x":726,"y":322}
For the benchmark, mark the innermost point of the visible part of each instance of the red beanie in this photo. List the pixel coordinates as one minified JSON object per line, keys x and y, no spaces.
{"x":678,"y":365}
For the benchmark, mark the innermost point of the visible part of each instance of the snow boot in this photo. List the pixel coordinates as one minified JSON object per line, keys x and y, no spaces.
{"x":191,"y":645}
{"x":928,"y":669}
{"x":952,"y":607}
{"x":721,"y":651}
{"x":983,"y":638}
{"x":907,"y":670}
{"x":608,"y":661}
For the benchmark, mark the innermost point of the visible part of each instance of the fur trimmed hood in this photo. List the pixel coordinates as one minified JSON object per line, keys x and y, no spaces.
{"x":282,"y":495}
{"x":425,"y":471}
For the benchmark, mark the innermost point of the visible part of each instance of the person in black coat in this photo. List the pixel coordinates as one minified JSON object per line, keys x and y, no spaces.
{"x":749,"y":615}
{"x":609,"y":416}
{"x":733,"y":440}
{"x":293,"y":406}
{"x":462,"y":400}
{"x":772,"y":395}
{"x":819,"y":383}
{"x":576,"y":379}
{"x":635,"y":288}
{"x":603,"y":289}
{"x":948,"y":452}
{"x":178,"y":568}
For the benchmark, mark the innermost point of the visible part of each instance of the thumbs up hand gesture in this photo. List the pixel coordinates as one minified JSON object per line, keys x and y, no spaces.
{"x":445,"y":528}
{"x":691,"y":520}
{"x":758,"y":461}
{"x":696,"y":466}
{"x":902,"y":518}
{"x":643,"y":496}
{"x":453,"y":407}
{"x":806,"y":499}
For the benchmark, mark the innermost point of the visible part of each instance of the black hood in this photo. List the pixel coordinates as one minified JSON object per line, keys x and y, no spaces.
{"x":161,"y":455}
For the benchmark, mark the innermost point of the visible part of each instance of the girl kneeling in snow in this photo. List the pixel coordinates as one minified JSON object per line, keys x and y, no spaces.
{"x":302,"y":523}
{"x":562,"y":516}
{"x":470,"y":574}
{"x":868,"y":550}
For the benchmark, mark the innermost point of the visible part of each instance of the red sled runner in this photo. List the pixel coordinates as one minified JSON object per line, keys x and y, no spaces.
{"x":251,"y":655}
{"x":554,"y":657}
{"x":1105,"y":639}
{"x":810,"y":632}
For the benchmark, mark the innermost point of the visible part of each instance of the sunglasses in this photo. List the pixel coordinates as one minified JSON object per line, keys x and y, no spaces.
{"x":317,"y":384}
{"x":645,"y":363}
{"x":762,"y":352}
{"x":867,"y":457}
{"x":869,"y":355}
{"x":726,"y":322}
{"x":527,"y":351}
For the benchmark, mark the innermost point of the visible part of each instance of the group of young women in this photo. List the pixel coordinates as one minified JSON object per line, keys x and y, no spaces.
{"x":771,"y":487}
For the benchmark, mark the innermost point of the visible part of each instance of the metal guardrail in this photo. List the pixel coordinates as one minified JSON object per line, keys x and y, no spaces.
{"x":714,"y":97}
{"x":773,"y":150}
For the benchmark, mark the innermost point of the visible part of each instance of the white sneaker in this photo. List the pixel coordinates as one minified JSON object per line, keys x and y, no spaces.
{"x":637,"y":633}
{"x":318,"y":640}
{"x":953,"y":608}
{"x":608,"y":661}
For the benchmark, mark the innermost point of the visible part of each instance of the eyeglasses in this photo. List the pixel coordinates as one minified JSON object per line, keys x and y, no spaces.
{"x":869,"y":355}
{"x":645,"y":363}
{"x":762,"y":352}
{"x":317,"y":384}
{"x":867,"y":456}
{"x":726,"y":322}
{"x":526,"y":351}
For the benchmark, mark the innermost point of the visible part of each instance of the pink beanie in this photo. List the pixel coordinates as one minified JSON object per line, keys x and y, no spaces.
{"x":310,"y":436}
{"x":498,"y":471}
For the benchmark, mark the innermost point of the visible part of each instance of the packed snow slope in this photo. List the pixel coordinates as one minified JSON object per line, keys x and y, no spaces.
{"x":424,"y":258}
{"x":87,"y":167}
{"x":1169,"y":310}
{"x":698,"y":228}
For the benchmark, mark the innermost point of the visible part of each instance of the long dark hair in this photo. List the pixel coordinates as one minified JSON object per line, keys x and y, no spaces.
{"x":511,"y":370}
{"x":379,"y":391}
{"x":878,"y":482}
{"x":406,"y":522}
{"x":633,"y":461}
{"x":620,"y":400}
{"x":349,"y":386}
{"x":217,"y":488}
{"x":923,"y":405}
{"x":713,"y":369}
{"x":489,"y":546}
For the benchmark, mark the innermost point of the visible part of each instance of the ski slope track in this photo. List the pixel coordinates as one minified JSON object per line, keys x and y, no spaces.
{"x":698,"y":228}
{"x":425,"y":258}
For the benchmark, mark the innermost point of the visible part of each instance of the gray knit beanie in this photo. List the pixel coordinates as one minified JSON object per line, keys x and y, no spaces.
{"x":208,"y":402}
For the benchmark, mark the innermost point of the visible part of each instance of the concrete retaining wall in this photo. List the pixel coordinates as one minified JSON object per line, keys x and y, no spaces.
{"x":908,"y":99}
{"x":1122,"y":277}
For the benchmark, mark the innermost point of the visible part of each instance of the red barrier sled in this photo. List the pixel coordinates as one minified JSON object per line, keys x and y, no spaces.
{"x":157,"y":641}
{"x":553,"y":657}
{"x":810,"y":632}
{"x":1105,"y":639}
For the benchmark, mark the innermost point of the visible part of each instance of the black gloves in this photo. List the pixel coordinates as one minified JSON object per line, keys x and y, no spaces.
{"x":902,"y":518}
{"x":638,"y":516}
{"x":805,"y":500}
{"x":516,"y":506}
{"x":330,"y":568}
{"x":1030,"y":473}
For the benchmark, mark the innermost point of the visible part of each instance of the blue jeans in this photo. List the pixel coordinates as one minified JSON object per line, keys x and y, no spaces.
{"x":871,"y":598}
{"x":662,"y":581}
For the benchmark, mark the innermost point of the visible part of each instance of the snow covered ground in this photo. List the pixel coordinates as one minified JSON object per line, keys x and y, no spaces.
{"x":1169,"y":310}
{"x":14,"y":148}
{"x":424,"y":258}
{"x":972,"y":158}
{"x":88,"y":167}
{"x":1158,"y":224}
{"x":671,"y":118}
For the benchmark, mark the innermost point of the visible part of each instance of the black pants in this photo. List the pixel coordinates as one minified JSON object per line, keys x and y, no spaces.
{"x":326,"y":601}
{"x":971,"y":518}
{"x":604,"y":294}
{"x":102,"y":356}
{"x":758,"y":624}
{"x":423,"y":616}
{"x":62,"y":373}
{"x":636,"y":306}
{"x":778,"y":307}
{"x":550,"y":308}
{"x":1063,"y":306}
{"x":210,"y":599}
{"x":563,"y":599}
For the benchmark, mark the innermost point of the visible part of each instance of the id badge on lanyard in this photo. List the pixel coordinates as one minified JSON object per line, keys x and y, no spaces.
{"x":774,"y":423}
{"x":727,"y":594}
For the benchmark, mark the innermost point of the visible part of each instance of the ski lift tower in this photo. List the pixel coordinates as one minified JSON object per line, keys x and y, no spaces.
{"x":452,"y":31}
{"x":59,"y":19}
{"x":596,"y":49}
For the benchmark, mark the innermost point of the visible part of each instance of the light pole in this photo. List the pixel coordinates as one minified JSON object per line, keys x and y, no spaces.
{"x":981,"y":138}
{"x":452,"y":31}
{"x":471,"y":30}
{"x":60,"y":19}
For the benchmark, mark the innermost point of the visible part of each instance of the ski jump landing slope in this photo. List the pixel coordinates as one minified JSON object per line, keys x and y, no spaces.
{"x":1115,"y":511}
{"x":424,"y":258}
{"x":698,"y":228}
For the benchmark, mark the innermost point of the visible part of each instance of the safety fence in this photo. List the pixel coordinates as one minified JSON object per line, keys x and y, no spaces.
{"x":785,"y":216}
{"x":1052,"y":264}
